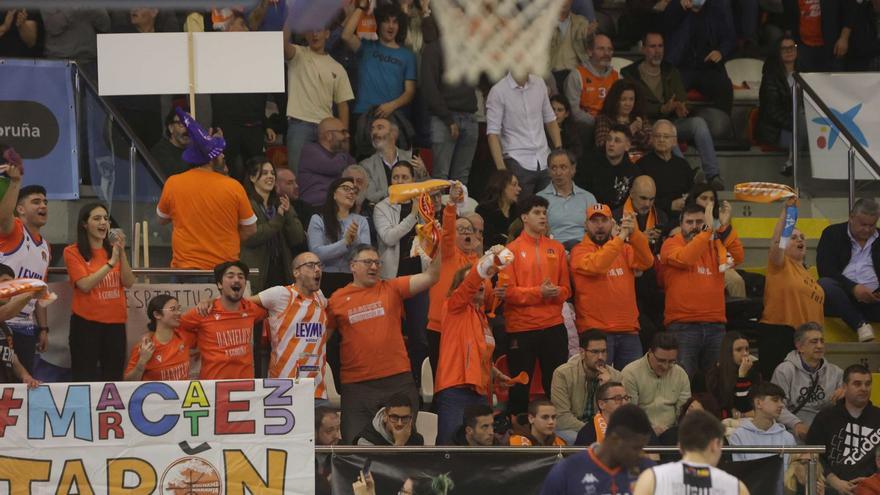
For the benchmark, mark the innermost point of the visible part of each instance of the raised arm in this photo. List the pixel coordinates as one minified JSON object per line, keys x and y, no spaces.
{"x":349,"y":31}
{"x":421,"y":282}
{"x":10,"y":198}
{"x":777,"y":254}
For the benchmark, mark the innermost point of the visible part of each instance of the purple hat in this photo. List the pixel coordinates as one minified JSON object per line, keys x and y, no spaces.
{"x":202,"y":147}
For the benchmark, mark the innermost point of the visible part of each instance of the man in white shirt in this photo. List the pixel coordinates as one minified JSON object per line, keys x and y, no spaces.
{"x":517,"y":113}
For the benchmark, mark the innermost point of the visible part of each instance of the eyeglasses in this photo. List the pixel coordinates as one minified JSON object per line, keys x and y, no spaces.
{"x":617,"y":398}
{"x":665,"y":136}
{"x":789,"y":48}
{"x":394,"y":418}
{"x":668,"y":362}
{"x":348,"y":189}
{"x":369,"y":263}
{"x":311,"y":265}
{"x":596,"y":352}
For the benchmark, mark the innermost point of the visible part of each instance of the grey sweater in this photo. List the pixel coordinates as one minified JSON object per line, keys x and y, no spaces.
{"x":796,"y":381}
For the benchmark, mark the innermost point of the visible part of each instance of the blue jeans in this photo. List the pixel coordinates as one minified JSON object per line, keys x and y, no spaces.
{"x":451,"y":403}
{"x":698,"y":345}
{"x":623,"y":348}
{"x":299,"y":132}
{"x":695,"y":129}
{"x":840,"y":302}
{"x":453,"y":157}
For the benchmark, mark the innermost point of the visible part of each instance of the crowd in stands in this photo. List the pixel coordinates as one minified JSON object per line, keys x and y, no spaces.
{"x":592,"y":223}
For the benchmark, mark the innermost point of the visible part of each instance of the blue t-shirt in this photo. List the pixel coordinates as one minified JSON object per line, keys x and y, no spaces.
{"x":382,"y":72}
{"x":584,"y":474}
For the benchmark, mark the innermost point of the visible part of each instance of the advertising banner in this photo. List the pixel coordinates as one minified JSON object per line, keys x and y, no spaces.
{"x":38,"y":119}
{"x":229,"y":437}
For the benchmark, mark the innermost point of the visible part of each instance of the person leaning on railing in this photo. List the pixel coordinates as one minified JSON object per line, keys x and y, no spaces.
{"x":99,"y":272}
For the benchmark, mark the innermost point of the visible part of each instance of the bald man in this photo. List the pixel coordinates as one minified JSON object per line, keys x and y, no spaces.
{"x":673,"y":175}
{"x":641,"y":203}
{"x":323,"y":162}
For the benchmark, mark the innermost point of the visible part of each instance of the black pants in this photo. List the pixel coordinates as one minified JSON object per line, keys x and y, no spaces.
{"x":97,"y":350}
{"x":25,"y":349}
{"x":549,"y":346}
{"x":774,"y":343}
{"x":242,"y":144}
{"x":713,"y":83}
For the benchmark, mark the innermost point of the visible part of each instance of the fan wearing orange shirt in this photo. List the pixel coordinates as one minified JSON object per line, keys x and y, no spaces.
{"x":603,"y":269}
{"x":224,"y":337}
{"x":100,"y":273}
{"x":368,"y":313}
{"x":162,"y":354}
{"x":694,"y":281}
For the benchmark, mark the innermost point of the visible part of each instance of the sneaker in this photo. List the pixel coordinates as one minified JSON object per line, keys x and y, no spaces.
{"x":866,"y":332}
{"x":716,"y":183}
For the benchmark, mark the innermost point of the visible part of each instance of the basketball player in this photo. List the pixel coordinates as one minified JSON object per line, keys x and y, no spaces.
{"x":700,"y":436}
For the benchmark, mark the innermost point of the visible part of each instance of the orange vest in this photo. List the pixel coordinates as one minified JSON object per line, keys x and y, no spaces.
{"x":594,"y":89}
{"x":466,"y":342}
{"x":604,"y":282}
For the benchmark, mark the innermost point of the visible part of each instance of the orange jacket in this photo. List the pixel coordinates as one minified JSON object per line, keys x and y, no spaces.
{"x":523,"y":441}
{"x":535,"y":260}
{"x":694,"y":286}
{"x":466,"y":342}
{"x":451,"y":259}
{"x":604,"y":282}
{"x":594,"y":89}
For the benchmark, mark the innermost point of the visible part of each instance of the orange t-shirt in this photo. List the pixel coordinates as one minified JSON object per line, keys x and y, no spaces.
{"x":594,"y":89}
{"x":105,"y":303}
{"x":694,"y":286}
{"x":224,"y":339}
{"x":792,"y":296}
{"x":206,"y":209}
{"x":604,"y":282}
{"x":169,"y":362}
{"x":521,"y":441}
{"x":810,"y":22}
{"x":368,"y":319}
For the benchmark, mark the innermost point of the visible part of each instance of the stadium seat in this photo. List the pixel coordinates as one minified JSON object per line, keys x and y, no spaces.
{"x":330,"y":385}
{"x":427,"y":388}
{"x":619,"y":63}
{"x":426,"y":425}
{"x":750,"y":133}
{"x":745,"y":74}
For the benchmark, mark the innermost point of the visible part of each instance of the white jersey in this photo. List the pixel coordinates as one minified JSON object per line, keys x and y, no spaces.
{"x":688,"y":478}
{"x":298,"y":331}
{"x":28,"y":259}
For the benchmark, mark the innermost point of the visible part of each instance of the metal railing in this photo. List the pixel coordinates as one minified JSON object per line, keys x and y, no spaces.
{"x":61,"y":270}
{"x":812,"y":465}
{"x":802,"y":86}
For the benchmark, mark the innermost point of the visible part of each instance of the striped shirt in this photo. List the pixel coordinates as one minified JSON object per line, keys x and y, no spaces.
{"x":297,"y":327}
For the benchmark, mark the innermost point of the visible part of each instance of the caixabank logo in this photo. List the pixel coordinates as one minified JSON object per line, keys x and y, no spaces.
{"x":828,"y":132}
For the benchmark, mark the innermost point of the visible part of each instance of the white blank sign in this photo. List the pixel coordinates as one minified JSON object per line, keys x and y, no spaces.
{"x":157,"y":63}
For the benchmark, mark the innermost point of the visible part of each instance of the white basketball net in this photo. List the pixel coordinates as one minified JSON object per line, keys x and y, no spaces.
{"x":495,"y":36}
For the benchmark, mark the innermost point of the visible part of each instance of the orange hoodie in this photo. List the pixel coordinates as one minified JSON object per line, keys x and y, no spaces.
{"x":535,"y":260}
{"x":604,"y":282}
{"x":466,"y":341}
{"x":694,"y":286}
{"x":451,"y":259}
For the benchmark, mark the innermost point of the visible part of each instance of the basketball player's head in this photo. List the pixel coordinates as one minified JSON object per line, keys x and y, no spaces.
{"x":627,"y":434}
{"x":701,"y":433}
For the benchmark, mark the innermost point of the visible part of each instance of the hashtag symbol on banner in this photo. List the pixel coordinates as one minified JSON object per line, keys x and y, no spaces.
{"x":8,"y":403}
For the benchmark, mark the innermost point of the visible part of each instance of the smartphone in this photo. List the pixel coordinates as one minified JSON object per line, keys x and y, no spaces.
{"x":416,"y":153}
{"x":366,"y":469}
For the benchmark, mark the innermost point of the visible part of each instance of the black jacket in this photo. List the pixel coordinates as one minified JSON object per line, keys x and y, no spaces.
{"x":609,"y":183}
{"x":774,"y":109}
{"x":849,"y":442}
{"x":673,"y":179}
{"x":834,"y":252}
{"x":672,"y":85}
{"x":836,"y":14}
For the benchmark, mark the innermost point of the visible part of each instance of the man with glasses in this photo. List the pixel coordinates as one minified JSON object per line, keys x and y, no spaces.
{"x":392,"y":425}
{"x":168,"y":152}
{"x":610,"y":396}
{"x":324,"y":161}
{"x":657,"y":384}
{"x":672,"y":174}
{"x":575,"y":385}
{"x":664,"y":97}
{"x":373,"y":356}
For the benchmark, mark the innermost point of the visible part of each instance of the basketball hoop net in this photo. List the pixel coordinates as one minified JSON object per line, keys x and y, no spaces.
{"x":495,"y":36}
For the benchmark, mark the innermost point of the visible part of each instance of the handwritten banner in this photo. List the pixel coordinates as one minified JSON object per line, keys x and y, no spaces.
{"x":230,"y":437}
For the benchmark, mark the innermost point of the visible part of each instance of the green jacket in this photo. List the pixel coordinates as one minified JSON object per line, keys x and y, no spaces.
{"x":672,"y":85}
{"x":255,"y":249}
{"x":568,"y":392}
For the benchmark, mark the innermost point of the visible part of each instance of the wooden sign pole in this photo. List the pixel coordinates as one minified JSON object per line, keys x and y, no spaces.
{"x":191,"y":60}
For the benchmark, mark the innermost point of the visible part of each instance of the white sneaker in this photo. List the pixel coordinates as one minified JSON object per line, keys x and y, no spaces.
{"x":866,"y":332}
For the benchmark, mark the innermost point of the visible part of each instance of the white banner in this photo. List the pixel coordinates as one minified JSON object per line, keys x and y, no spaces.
{"x":854,"y":99}
{"x":228,"y":437}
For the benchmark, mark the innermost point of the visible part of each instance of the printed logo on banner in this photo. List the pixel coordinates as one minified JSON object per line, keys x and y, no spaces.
{"x":29,"y":127}
{"x":828,"y":132}
{"x":191,"y":475}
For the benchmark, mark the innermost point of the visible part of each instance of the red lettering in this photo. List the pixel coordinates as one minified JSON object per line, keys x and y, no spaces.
{"x":224,"y":406}
{"x":110,"y":421}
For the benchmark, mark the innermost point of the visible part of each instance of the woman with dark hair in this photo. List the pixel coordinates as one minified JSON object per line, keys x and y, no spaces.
{"x":163,"y":353}
{"x":624,"y":105}
{"x":336,"y":229}
{"x":270,"y":249}
{"x":499,"y":208}
{"x":731,"y":380}
{"x":99,"y":272}
{"x":775,"y":123}
{"x":573,"y":133}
